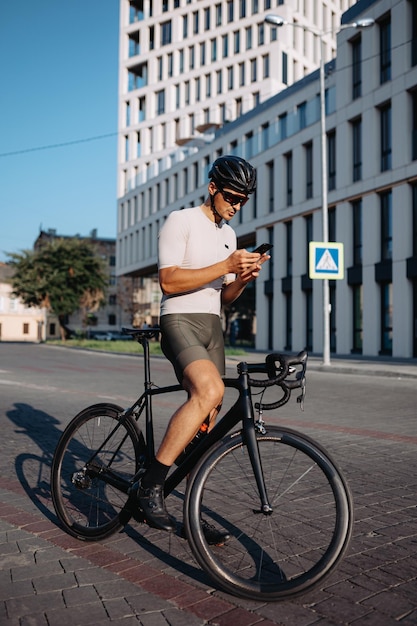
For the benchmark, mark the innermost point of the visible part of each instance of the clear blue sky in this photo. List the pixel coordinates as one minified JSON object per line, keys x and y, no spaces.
{"x":59,"y":84}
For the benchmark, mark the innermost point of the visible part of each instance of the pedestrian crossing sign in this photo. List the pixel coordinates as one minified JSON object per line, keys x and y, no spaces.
{"x":326,"y":260}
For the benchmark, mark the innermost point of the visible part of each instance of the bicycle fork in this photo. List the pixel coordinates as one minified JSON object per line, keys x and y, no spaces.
{"x":249,"y":434}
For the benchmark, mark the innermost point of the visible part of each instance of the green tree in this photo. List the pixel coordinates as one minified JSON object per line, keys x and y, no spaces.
{"x":63,"y":275}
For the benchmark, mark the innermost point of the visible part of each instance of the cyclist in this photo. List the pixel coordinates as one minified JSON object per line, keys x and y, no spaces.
{"x":199,"y":270}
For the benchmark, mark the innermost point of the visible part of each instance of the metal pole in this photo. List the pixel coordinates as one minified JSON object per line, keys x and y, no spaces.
{"x":325,"y":210}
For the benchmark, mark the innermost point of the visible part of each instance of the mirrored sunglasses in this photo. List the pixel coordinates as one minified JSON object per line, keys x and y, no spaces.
{"x":232,"y":199}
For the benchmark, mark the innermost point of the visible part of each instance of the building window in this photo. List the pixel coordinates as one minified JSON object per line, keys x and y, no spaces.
{"x":285,"y":68}
{"x":248,"y":37}
{"x":208,"y":85}
{"x":25,"y":328}
{"x":288,"y":248}
{"x":265,"y":64}
{"x":289,"y":177}
{"x":218,"y":14}
{"x":357,"y":231}
{"x":230,"y":78}
{"x":332,"y":224}
{"x":170,"y":65}
{"x":253,"y":75}
{"x":242,"y":9}
{"x":135,"y":12}
{"x":192,"y":57}
{"x":111,"y":320}
{"x":282,"y":123}
{"x":261,"y":34}
{"x":270,"y":183}
{"x":203,"y":53}
{"x":302,"y":117}
{"x":331,"y":161}
{"x":236,"y":39}
{"x":134,"y":47}
{"x":195,"y":23}
{"x":309,"y":169}
{"x":356,"y":68}
{"x":413,"y":7}
{"x":357,"y":149}
{"x":112,"y":299}
{"x":207,"y":18}
{"x":52,"y":329}
{"x":414,"y":128}
{"x":414,"y":194}
{"x":166,"y":33}
{"x":219,"y":81}
{"x":241,"y":74}
{"x":185,"y":26}
{"x":230,"y":11}
{"x":137,"y":77}
{"x":385,"y":49}
{"x":160,"y":102}
{"x":225,"y":42}
{"x":288,"y":321}
{"x":265,"y":136}
{"x":357,"y":319}
{"x":214,"y":49}
{"x":386,"y":226}
{"x":386,"y":318}
{"x":386,"y":146}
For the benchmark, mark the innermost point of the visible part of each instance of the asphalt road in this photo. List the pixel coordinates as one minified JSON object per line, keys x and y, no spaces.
{"x":368,"y":423}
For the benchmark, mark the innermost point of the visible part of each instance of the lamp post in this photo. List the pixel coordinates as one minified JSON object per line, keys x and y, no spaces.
{"x":276,"y":20}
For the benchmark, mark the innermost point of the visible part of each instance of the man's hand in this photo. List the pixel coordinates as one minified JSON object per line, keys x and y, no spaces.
{"x":253,"y":270}
{"x":241,"y":261}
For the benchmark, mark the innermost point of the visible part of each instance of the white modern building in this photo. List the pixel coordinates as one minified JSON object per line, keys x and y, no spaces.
{"x":188,"y":67}
{"x":371,"y":130}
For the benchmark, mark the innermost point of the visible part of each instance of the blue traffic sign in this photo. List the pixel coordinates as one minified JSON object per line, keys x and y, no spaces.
{"x":326,"y":260}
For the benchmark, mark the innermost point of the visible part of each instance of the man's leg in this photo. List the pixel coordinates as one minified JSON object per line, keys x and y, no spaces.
{"x":205,"y":389}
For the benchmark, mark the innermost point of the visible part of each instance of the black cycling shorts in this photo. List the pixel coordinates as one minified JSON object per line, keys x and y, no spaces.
{"x":186,"y":338}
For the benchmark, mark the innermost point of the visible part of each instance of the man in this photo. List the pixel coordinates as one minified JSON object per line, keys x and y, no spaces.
{"x":199,"y":271}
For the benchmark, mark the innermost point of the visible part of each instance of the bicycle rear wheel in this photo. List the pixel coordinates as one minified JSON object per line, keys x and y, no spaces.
{"x":96,"y":457}
{"x":269,"y":557}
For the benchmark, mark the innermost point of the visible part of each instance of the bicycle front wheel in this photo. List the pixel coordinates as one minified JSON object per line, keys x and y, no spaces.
{"x":95,"y":459}
{"x":276,"y":556}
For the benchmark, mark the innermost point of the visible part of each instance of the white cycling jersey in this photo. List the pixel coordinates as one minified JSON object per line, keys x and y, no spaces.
{"x":190,"y":240}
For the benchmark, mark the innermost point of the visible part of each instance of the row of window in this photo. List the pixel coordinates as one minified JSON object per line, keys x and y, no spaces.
{"x":209,"y":16}
{"x":206,"y":51}
{"x":385,"y":281}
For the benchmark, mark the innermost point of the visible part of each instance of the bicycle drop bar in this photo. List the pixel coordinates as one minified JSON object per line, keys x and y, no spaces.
{"x":278,"y":368}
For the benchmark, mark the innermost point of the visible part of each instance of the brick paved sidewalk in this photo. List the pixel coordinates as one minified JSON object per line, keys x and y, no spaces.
{"x":49,"y":578}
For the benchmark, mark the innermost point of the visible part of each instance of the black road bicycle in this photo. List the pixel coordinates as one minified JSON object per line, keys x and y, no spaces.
{"x":276,"y":492}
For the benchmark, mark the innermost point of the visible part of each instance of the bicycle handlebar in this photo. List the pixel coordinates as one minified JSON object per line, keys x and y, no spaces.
{"x":277,"y":375}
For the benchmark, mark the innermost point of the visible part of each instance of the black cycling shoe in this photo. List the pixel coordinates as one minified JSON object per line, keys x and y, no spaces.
{"x":213,"y":536}
{"x":152,"y":504}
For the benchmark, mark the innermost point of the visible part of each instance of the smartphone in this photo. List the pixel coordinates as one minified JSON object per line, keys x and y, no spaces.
{"x":264,"y":247}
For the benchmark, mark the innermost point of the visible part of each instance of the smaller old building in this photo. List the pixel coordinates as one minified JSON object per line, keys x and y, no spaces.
{"x":19,"y":322}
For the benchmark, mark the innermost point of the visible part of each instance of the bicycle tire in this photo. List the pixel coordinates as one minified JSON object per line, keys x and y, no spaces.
{"x":87,"y":506}
{"x":277,"y":556}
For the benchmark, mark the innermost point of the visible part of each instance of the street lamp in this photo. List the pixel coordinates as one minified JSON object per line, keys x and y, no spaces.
{"x":276,"y":20}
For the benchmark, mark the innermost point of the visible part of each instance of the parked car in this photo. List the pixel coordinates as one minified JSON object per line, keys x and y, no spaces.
{"x":117,"y":336}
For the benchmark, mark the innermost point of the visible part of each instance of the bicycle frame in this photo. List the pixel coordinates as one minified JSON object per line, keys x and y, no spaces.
{"x":241,"y":411}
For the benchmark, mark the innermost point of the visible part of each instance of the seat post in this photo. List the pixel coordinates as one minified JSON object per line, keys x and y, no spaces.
{"x":144,"y":341}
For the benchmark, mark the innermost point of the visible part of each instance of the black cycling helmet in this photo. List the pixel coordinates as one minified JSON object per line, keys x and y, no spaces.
{"x":234,"y":173}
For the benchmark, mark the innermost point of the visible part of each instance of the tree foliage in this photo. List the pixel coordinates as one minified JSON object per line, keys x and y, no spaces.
{"x":63,"y":275}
